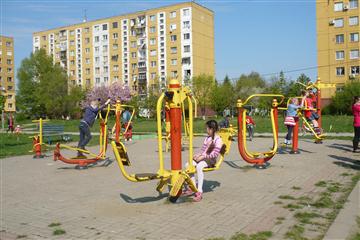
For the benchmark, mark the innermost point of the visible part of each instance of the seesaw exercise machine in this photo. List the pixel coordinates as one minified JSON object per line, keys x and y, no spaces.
{"x":83,"y":163}
{"x":175,"y":177}
{"x":258,"y":159}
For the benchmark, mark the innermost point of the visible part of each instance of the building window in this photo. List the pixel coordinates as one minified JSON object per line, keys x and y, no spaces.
{"x":161,"y":15}
{"x":97,"y":70}
{"x":133,"y":44}
{"x":96,"y":39}
{"x":173,"y":38}
{"x":173,"y":50}
{"x":152,"y":41}
{"x":187,"y":48}
{"x":97,"y":80}
{"x":72,"y":32}
{"x":173,"y":62}
{"x":339,"y":38}
{"x":87,"y":71}
{"x":186,"y":36}
{"x":97,"y":49}
{"x":72,"y":62}
{"x":115,"y":24}
{"x":116,"y":68}
{"x":9,"y":79}
{"x":115,"y":35}
{"x":339,"y":22}
{"x":115,"y":46}
{"x":172,"y":27}
{"x":8,"y":61}
{"x":186,"y":12}
{"x":86,"y":30}
{"x":105,"y":37}
{"x":354,"y":70}
{"x":152,"y":29}
{"x":153,"y":76}
{"x":87,"y":50}
{"x":338,"y":6}
{"x":340,"y":55}
{"x":9,"y":53}
{"x":104,"y":27}
{"x":354,"y":54}
{"x":72,"y":53}
{"x":340,"y":71}
{"x":173,"y":14}
{"x":354,"y":37}
{"x":174,"y":74}
{"x":8,"y":44}
{"x":353,"y":21}
{"x":87,"y":40}
{"x":152,"y":18}
{"x":153,"y":64}
{"x":353,"y":4}
{"x":87,"y":60}
{"x":106,"y":69}
{"x":152,"y":53}
{"x":133,"y":54}
{"x":97,"y":60}
{"x":105,"y":48}
{"x":186,"y":60}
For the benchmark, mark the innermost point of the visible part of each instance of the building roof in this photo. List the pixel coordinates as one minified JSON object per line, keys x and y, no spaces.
{"x":131,"y":13}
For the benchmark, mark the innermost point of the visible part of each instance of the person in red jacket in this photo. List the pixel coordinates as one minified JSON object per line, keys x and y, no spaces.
{"x":308,"y":101}
{"x":356,"y":113}
{"x":250,"y":124}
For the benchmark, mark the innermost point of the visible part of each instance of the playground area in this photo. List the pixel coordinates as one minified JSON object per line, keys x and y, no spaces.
{"x":42,"y":198}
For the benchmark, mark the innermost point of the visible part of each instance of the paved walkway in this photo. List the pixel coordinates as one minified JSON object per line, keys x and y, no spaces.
{"x":99,"y":203}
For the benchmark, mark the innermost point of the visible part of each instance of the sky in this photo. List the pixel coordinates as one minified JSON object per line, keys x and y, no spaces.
{"x":266,"y":36}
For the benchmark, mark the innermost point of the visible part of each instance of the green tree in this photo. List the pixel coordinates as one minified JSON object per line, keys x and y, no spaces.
{"x":202,"y":86}
{"x":342,"y":101}
{"x":222,"y":96}
{"x":72,"y":101}
{"x":295,"y":87}
{"x":42,"y":86}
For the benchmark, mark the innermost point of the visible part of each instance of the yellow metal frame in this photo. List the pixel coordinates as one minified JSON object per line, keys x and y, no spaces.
{"x":273,"y":151}
{"x":121,"y":107}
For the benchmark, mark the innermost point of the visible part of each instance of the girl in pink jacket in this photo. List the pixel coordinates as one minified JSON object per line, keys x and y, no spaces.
{"x":356,"y":113}
{"x":205,"y":158}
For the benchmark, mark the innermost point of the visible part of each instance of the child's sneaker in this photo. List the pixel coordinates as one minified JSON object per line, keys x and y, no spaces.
{"x":187,"y":192}
{"x":198,"y":197}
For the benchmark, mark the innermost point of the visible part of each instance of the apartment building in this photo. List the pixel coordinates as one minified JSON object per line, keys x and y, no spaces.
{"x":141,"y":50}
{"x":338,"y":43}
{"x":7,"y":80}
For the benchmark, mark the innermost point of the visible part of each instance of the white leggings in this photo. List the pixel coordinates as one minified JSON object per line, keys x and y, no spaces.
{"x":200,"y":174}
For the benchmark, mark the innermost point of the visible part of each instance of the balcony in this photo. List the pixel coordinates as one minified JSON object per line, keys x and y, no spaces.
{"x":142,"y":70}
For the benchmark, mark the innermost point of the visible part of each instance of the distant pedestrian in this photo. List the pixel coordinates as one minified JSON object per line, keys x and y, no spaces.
{"x":10,"y":124}
{"x":356,"y":113}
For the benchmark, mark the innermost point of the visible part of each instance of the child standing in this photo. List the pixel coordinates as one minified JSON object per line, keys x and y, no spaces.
{"x":250,"y":124}
{"x":356,"y":113}
{"x":310,"y":114}
{"x":205,"y":158}
{"x":291,"y":114}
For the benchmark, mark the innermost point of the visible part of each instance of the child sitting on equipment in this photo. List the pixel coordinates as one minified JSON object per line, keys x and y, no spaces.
{"x":250,"y":124}
{"x":309,"y":112}
{"x":290,"y":120}
{"x":205,"y":158}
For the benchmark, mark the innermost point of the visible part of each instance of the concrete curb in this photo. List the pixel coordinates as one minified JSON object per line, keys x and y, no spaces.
{"x":345,"y":222}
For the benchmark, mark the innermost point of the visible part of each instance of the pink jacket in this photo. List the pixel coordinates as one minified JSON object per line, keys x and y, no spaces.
{"x":356,"y":112}
{"x":211,"y":148}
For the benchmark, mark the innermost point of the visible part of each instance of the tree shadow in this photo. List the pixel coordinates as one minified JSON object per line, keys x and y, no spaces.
{"x":344,"y":147}
{"x":346,"y":162}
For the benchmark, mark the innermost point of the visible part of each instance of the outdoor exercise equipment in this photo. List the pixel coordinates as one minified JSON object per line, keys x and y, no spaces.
{"x":38,"y":139}
{"x":103,"y":141}
{"x":259,"y":159}
{"x":176,"y":177}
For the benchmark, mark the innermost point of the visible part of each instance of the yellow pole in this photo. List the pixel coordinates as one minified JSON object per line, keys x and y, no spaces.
{"x":40,"y":129}
{"x":191,"y":119}
{"x":160,"y":149}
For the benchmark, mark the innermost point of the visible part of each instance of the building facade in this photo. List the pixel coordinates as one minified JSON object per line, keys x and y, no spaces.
{"x":7,"y":70}
{"x":141,"y":50}
{"x":338,"y":43}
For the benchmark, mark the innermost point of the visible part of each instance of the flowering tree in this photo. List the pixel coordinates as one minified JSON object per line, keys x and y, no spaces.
{"x":115,"y":91}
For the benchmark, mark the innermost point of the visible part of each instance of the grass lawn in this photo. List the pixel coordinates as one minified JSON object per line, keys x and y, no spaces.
{"x":330,"y":124}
